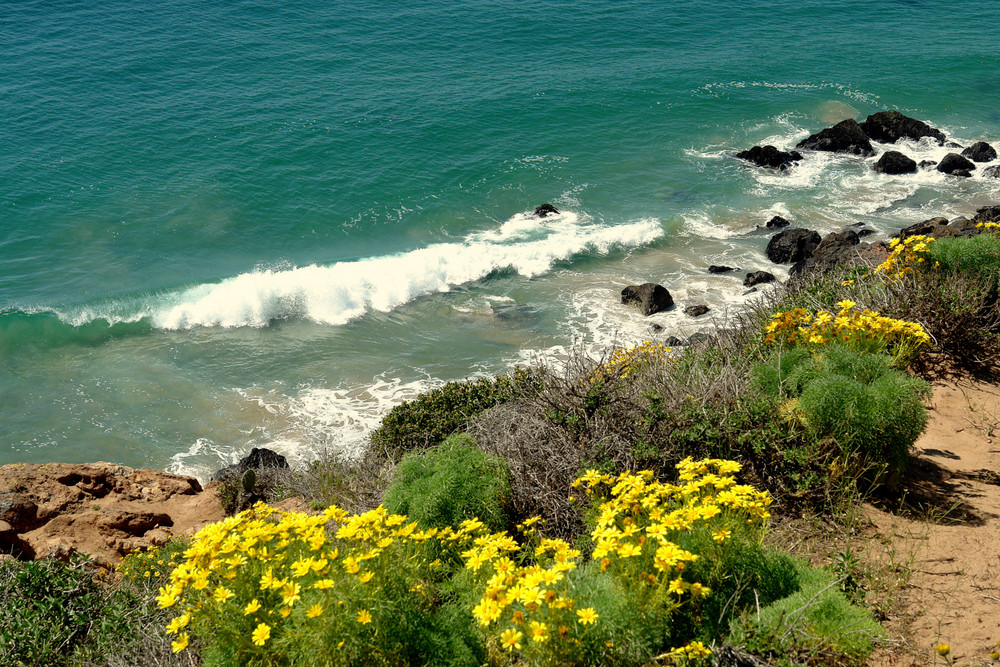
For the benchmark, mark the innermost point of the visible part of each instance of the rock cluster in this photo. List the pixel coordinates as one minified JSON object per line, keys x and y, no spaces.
{"x":101,"y":509}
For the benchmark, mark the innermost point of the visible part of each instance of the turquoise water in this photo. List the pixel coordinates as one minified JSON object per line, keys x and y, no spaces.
{"x":226,"y":225}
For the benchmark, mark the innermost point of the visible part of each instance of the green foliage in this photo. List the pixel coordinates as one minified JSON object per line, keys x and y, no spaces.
{"x":818,"y":624}
{"x":452,"y":482}
{"x":56,"y":613}
{"x":431,"y":417}
{"x":742,"y":576}
{"x":869,"y":408}
{"x":977,"y":255}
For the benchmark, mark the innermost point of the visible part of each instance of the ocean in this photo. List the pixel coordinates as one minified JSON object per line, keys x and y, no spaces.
{"x":227,"y":225}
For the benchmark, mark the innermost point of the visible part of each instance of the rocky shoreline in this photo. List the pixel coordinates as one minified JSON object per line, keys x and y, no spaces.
{"x":107,"y":510}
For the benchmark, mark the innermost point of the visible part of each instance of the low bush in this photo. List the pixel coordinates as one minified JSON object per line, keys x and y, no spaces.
{"x":434,"y":415}
{"x":977,"y":255}
{"x":450,"y":483}
{"x":61,"y":613}
{"x":871,"y":410}
{"x":816,"y":625}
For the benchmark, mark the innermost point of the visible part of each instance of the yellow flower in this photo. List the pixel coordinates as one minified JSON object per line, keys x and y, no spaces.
{"x":180,"y":644}
{"x":314,"y":611}
{"x":364,"y":617}
{"x":942,"y":649}
{"x":587,"y":616}
{"x":721,"y":536}
{"x":510,"y":639}
{"x":290,"y":594}
{"x":178,"y":623}
{"x":261,"y":634}
{"x":539,"y":631}
{"x":251,"y":607}
{"x":222,"y":594}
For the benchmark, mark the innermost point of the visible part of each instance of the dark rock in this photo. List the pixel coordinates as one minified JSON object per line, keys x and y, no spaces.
{"x":836,"y":249}
{"x":544,"y":210}
{"x":720,"y":269}
{"x":792,"y":245}
{"x":860,"y":229}
{"x":844,"y":137}
{"x":699,"y":337}
{"x":925,"y":228}
{"x":696,"y":311}
{"x":888,"y":127}
{"x":674,"y":341}
{"x":980,"y":152}
{"x":927,"y":164}
{"x":656,"y":328}
{"x":953,"y":144}
{"x":956,"y":165}
{"x":964,"y":227}
{"x":987,"y":214}
{"x":862,"y":233}
{"x":992,"y":172}
{"x":769,"y":156}
{"x":758,"y":278}
{"x":894,"y":162}
{"x":777,"y":222}
{"x":258,"y":459}
{"x":650,"y":297}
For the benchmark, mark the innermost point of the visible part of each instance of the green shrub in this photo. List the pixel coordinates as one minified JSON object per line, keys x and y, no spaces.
{"x":813,"y":623}
{"x":56,"y":613}
{"x":431,"y":417}
{"x":452,"y":482}
{"x":858,"y":399}
{"x":977,"y":255}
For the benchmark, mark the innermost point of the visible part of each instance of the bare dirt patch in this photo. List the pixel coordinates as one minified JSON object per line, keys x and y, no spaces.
{"x":944,"y":532}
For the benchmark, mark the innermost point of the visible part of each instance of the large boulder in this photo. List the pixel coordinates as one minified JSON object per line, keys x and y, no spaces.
{"x":544,"y":210}
{"x":101,"y":509}
{"x":259,"y":458}
{"x":769,"y":156}
{"x":844,"y":137}
{"x":836,"y":249}
{"x":888,"y":127}
{"x":649,"y":297}
{"x":894,"y":162}
{"x":980,"y":152}
{"x":792,"y":245}
{"x":956,"y":165}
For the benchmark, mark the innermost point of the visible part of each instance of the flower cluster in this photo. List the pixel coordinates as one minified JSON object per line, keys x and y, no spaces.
{"x":904,"y":255}
{"x":864,"y":329}
{"x":627,"y":361}
{"x":262,"y":575}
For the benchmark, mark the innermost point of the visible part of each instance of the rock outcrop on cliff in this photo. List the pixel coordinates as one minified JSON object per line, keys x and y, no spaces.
{"x":101,"y":509}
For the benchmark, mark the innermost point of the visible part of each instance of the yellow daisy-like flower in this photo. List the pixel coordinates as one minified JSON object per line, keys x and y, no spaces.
{"x":364,"y":617}
{"x":177,"y":623}
{"x":510,"y":639}
{"x":721,"y":536}
{"x":222,"y":594}
{"x":261,"y":634}
{"x":290,"y":594}
{"x":180,"y":644}
{"x":539,"y":631}
{"x":314,"y":611}
{"x":587,"y":616}
{"x":251,"y":607}
{"x":365,"y":577}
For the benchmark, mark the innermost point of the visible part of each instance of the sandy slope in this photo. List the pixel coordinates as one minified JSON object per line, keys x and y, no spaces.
{"x":951,"y":543}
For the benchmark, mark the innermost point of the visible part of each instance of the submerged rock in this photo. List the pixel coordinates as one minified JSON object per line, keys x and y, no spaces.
{"x":844,"y":137}
{"x":980,"y":152}
{"x":720,"y":269}
{"x":696,"y":311}
{"x":992,"y":172}
{"x":544,"y":210}
{"x":758,"y":278}
{"x":894,"y":162}
{"x":769,"y":156}
{"x":777,"y":222}
{"x":792,"y":245}
{"x":650,"y":297}
{"x":888,"y":127}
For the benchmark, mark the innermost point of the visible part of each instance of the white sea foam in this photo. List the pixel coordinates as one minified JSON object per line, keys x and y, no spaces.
{"x":307,"y":425}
